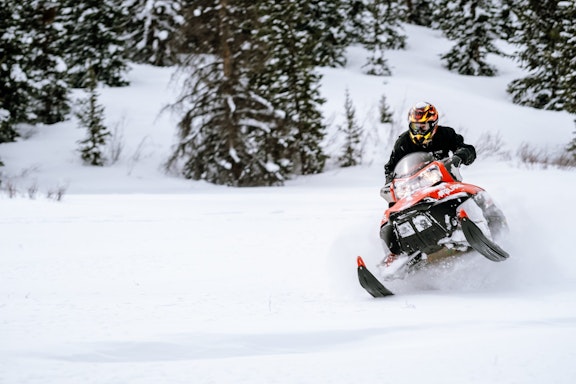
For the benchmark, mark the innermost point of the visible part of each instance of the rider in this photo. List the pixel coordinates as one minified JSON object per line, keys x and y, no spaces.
{"x":423,"y":135}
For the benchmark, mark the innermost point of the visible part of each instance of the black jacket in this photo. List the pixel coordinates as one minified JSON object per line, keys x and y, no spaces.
{"x":444,"y":141}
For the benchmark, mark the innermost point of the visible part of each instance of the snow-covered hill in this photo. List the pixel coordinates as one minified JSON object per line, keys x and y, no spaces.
{"x":139,"y":277}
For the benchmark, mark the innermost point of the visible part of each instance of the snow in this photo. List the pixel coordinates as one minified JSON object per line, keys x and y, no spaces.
{"x":141,"y":277}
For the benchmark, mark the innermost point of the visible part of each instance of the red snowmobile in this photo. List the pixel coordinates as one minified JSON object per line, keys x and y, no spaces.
{"x":432,"y":215}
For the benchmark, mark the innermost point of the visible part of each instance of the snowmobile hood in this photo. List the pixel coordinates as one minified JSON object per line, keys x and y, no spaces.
{"x":434,"y":193}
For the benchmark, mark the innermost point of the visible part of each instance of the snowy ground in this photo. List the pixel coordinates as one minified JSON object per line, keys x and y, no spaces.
{"x":137,"y":277}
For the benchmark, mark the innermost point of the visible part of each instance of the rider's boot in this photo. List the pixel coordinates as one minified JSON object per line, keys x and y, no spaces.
{"x":397,"y":266}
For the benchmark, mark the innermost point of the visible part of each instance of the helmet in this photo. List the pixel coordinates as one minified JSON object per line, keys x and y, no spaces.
{"x":422,"y":123}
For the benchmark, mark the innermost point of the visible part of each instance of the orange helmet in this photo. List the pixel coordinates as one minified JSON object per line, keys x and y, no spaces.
{"x":422,"y":123}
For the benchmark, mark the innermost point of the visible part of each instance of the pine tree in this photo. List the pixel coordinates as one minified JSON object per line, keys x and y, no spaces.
{"x":251,"y":99}
{"x":567,"y":92}
{"x":290,"y":79}
{"x":228,"y":133}
{"x":16,"y":91}
{"x":197,"y":34}
{"x":507,"y":22}
{"x":547,"y":50}
{"x":153,"y":28}
{"x":31,"y":68}
{"x":377,"y":27}
{"x":325,"y":22}
{"x":384,"y":111}
{"x":352,"y":132}
{"x":94,"y":41}
{"x":420,"y":12}
{"x":91,"y":118}
{"x":572,"y":146}
{"x":471,"y":25}
{"x":47,"y":72}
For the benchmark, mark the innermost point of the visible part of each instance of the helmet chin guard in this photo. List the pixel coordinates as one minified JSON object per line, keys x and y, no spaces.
{"x":422,"y":140}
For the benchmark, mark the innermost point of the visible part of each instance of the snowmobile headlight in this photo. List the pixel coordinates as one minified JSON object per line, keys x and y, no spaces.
{"x":405,"y":229}
{"x":428,"y":177}
{"x":421,"y":222}
{"x":402,"y":189}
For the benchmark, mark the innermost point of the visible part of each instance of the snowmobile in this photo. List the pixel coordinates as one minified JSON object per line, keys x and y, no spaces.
{"x":432,"y":216}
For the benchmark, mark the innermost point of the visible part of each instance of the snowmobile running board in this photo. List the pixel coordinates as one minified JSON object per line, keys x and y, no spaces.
{"x":369,"y":282}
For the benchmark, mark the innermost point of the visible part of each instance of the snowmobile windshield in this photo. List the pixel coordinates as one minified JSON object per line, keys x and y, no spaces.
{"x":412,"y":163}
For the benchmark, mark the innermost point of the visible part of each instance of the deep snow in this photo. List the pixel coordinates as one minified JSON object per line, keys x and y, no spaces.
{"x":139,"y":277}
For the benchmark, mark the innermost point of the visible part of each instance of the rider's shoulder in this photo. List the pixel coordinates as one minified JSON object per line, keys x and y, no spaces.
{"x":445,"y":131}
{"x":446,"y":128}
{"x":402,"y":139}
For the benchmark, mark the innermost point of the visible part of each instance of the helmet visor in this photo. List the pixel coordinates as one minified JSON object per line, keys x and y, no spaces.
{"x":420,"y":128}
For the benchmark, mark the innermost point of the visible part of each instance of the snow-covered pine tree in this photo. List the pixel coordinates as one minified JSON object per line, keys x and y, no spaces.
{"x":378,"y":29}
{"x":229,"y":132}
{"x":567,"y":90}
{"x":31,"y":69}
{"x":91,"y":117}
{"x":15,"y":91}
{"x":420,"y":12}
{"x":47,"y":72}
{"x":352,"y":133}
{"x":385,"y":115}
{"x":152,"y":28}
{"x":200,"y":38}
{"x":325,"y":20}
{"x":572,"y":146}
{"x":95,"y":39}
{"x":473,"y":27}
{"x":289,"y":78}
{"x":506,"y":19}
{"x":547,"y":50}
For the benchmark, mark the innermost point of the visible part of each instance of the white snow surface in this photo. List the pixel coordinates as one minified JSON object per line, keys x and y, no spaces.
{"x":139,"y":277}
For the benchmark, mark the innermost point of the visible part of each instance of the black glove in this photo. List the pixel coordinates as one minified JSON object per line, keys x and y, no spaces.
{"x":454,"y":161}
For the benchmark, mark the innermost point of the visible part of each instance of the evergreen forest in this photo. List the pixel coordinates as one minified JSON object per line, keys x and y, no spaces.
{"x":250,"y":103}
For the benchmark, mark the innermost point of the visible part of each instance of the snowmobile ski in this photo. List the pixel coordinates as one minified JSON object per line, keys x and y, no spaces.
{"x":479,"y":242}
{"x":369,"y":282}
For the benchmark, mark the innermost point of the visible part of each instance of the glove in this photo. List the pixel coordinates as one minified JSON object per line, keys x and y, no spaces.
{"x":456,"y":160}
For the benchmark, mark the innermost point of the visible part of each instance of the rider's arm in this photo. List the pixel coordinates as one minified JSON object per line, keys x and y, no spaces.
{"x":466,"y":152}
{"x":398,"y":152}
